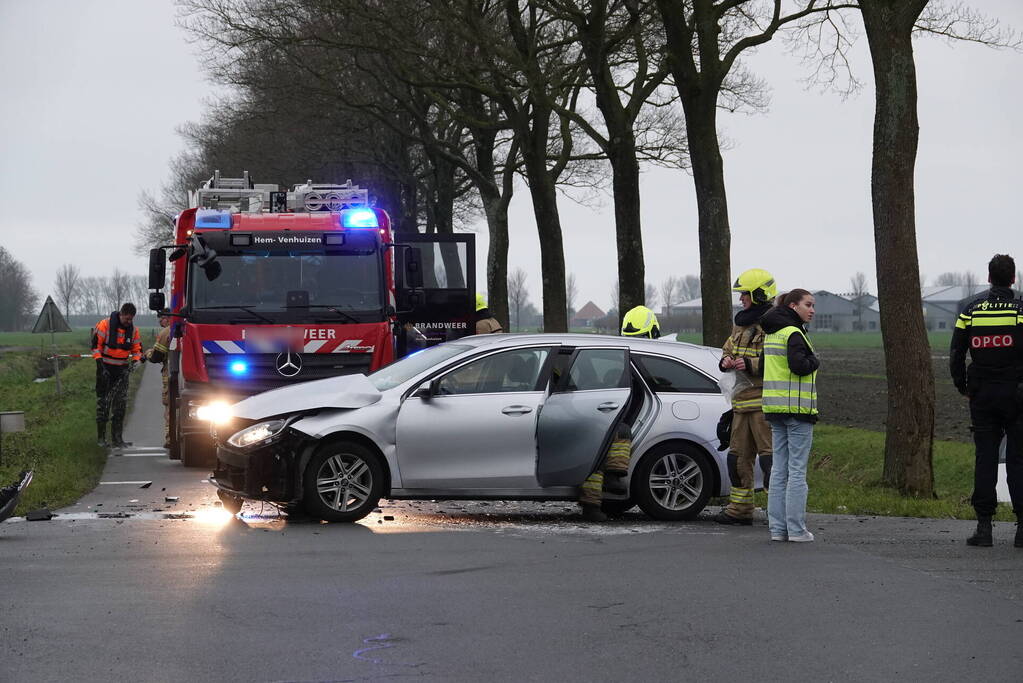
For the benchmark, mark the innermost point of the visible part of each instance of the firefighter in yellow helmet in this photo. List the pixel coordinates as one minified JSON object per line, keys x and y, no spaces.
{"x":640,"y":322}
{"x":610,"y":476}
{"x":743,"y":354}
{"x":158,"y":354}
{"x":485,"y":322}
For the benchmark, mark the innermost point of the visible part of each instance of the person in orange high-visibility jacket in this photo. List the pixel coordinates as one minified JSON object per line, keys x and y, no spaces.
{"x":116,"y":347}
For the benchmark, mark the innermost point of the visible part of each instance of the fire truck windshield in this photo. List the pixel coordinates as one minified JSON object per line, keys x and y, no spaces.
{"x":290,"y":286}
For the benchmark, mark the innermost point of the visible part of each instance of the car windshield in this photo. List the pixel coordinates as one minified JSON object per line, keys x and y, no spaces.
{"x":274,"y":281}
{"x":410,"y":366}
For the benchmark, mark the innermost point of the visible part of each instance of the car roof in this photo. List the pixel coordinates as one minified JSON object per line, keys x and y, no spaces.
{"x":570,"y":339}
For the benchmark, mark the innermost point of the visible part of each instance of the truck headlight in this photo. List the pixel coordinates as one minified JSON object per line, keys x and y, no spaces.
{"x":257,"y":433}
{"x":218,"y":412}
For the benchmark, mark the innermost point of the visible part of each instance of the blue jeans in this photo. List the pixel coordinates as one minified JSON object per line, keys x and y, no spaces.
{"x":786,"y":499}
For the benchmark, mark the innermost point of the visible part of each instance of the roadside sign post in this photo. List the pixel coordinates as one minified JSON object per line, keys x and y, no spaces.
{"x":10,"y":421}
{"x":50,"y":320}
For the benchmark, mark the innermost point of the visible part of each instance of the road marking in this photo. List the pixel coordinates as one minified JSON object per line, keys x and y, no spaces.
{"x":125,"y":482}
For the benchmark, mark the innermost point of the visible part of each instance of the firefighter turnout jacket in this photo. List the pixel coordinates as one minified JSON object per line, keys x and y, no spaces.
{"x":119,"y":347}
{"x":991,"y":330}
{"x":747,"y":342}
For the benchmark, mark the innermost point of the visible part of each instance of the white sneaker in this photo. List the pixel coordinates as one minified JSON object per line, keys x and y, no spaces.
{"x":802,"y":538}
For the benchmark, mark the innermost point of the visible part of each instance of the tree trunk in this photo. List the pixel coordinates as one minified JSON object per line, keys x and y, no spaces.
{"x":552,"y":248}
{"x":495,"y":206}
{"x":628,"y":229}
{"x":712,"y":205}
{"x":910,"y":425}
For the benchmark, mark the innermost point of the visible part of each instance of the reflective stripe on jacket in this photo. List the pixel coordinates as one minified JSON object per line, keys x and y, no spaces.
{"x":784,"y":390}
{"x":116,"y":356}
{"x":746,"y":343}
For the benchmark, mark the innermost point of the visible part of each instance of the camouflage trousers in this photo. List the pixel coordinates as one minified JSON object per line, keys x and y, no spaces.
{"x":111,"y":392}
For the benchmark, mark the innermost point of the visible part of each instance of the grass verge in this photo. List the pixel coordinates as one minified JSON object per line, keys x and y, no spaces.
{"x":59,"y":441}
{"x":844,"y":477}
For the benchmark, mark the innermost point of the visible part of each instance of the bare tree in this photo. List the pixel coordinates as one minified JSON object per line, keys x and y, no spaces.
{"x":615,"y":300}
{"x":623,"y":52}
{"x":650,"y":296}
{"x":889,"y":27}
{"x":689,"y":287}
{"x":115,"y":288}
{"x":859,"y":294}
{"x":571,"y":293}
{"x":18,"y":299}
{"x":1019,"y":282}
{"x":669,"y":292}
{"x":950,"y":279}
{"x":518,"y":295}
{"x":67,"y":286}
{"x":92,"y":298}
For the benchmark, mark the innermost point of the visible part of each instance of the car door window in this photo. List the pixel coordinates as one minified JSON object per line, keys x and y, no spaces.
{"x":503,"y":372}
{"x":597,"y":369}
{"x":670,"y":376}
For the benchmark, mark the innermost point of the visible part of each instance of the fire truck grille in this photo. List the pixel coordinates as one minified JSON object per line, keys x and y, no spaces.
{"x":261,"y":368}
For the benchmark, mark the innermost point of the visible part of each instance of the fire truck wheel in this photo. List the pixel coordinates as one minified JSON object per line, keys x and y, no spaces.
{"x":196,"y":452}
{"x":343,"y":482}
{"x":231,"y":503}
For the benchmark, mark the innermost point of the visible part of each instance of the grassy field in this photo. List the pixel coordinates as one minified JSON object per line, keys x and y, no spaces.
{"x":59,"y":441}
{"x":939,"y":341}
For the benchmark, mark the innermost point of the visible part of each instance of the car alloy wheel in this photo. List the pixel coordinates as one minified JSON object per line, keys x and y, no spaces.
{"x":674,"y":482}
{"x":343,"y":482}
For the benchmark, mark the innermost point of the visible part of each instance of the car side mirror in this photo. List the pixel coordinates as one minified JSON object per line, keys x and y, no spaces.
{"x":426,"y":390}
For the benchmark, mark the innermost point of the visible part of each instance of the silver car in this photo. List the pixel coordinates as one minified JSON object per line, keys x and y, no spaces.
{"x":513,"y":417}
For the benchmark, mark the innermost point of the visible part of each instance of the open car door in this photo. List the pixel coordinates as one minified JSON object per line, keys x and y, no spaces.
{"x":577,"y":422}
{"x":444,"y":307}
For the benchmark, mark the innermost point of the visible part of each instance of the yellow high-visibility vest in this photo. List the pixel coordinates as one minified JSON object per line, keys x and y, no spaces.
{"x":784,"y":390}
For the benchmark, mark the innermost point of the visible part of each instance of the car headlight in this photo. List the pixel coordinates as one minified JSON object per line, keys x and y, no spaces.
{"x":218,"y":412}
{"x":257,"y":433}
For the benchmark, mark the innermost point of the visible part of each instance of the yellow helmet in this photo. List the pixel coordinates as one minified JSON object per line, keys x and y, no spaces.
{"x":758,"y":283}
{"x":481,"y":303}
{"x":640,"y":322}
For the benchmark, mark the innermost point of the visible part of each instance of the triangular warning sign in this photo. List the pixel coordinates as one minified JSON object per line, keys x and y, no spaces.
{"x":50,"y":319}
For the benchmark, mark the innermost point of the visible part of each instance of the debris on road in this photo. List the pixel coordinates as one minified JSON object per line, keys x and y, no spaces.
{"x":146,"y":485}
{"x":40,"y":515}
{"x":170,"y":499}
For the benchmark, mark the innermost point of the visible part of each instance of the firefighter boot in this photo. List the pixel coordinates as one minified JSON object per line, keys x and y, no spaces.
{"x":614,"y":482}
{"x":101,"y":434}
{"x":593,"y":513}
{"x":982,"y":536}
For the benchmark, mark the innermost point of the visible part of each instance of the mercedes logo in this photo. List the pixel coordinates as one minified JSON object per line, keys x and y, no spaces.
{"x":288,"y":364}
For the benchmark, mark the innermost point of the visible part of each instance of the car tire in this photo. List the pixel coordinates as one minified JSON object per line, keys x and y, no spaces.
{"x":342,"y":482}
{"x":673,"y":482}
{"x":230,"y":502}
{"x":617,"y":508}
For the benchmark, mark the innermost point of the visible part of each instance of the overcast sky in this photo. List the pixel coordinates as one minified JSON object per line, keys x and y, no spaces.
{"x":94,"y":90}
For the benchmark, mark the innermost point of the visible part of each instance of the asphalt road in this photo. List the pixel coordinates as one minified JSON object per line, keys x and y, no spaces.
{"x":130,"y":585}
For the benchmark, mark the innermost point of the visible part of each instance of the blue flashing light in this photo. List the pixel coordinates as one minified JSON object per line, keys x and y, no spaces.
{"x":211,"y":218}
{"x":239,"y":367}
{"x":359,"y":218}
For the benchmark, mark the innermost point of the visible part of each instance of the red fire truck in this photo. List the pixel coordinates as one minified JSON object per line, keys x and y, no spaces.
{"x":270,"y":287}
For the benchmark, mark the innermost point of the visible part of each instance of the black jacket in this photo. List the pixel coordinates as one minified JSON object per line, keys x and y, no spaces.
{"x":996,"y":348}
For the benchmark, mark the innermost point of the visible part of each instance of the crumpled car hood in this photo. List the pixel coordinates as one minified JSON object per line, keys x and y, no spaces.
{"x":347,"y":391}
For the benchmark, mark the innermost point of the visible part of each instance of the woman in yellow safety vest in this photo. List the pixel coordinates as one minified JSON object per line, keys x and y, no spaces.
{"x":790,"y":406}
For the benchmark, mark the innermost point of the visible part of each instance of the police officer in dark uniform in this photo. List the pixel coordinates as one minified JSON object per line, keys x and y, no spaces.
{"x":991,"y":329}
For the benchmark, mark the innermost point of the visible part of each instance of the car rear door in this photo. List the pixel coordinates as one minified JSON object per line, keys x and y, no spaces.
{"x":575,"y":425}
